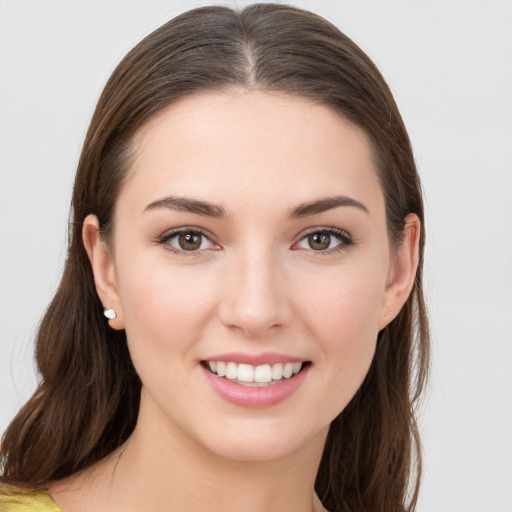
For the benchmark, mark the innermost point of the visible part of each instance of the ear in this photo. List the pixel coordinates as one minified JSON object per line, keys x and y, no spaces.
{"x":103,"y":268}
{"x":402,"y":272}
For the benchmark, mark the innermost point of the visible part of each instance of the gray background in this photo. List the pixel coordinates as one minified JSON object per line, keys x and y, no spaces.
{"x":450,"y":67}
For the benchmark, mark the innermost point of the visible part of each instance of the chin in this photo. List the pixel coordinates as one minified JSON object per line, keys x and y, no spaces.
{"x":259,"y":442}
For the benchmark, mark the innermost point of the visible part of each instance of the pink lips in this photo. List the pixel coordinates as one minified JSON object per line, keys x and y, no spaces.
{"x":255,"y":397}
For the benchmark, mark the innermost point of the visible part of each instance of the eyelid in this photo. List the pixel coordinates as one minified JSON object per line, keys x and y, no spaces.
{"x":345,"y":238}
{"x":171,"y":233}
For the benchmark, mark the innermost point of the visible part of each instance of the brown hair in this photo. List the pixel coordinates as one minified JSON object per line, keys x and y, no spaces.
{"x":87,"y":402}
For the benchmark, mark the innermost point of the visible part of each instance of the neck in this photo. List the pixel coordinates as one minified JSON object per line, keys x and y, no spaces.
{"x":183,"y":476}
{"x":163,"y":469}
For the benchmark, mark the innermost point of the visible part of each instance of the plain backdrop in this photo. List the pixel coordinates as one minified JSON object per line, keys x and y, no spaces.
{"x":449,"y":64}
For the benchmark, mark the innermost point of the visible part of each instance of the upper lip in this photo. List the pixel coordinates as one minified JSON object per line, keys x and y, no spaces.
{"x":255,"y":359}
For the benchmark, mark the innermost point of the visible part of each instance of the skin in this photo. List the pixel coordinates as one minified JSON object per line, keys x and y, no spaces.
{"x":255,"y":285}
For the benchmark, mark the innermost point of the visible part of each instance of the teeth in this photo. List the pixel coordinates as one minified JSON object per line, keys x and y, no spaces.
{"x":277,"y":371}
{"x":231,"y":371}
{"x":245,"y":372}
{"x":221,"y":369}
{"x":288,"y":370}
{"x":262,"y":374}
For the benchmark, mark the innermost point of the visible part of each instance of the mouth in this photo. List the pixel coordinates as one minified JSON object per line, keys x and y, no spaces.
{"x":255,"y":376}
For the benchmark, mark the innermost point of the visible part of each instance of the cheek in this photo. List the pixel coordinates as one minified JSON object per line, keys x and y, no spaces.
{"x":343,"y":319}
{"x":347,"y":331}
{"x":344,"y":304}
{"x":165,"y":309}
{"x":164,"y":306}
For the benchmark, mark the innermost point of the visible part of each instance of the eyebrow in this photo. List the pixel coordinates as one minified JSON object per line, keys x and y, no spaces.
{"x":184,"y":204}
{"x":325,"y":204}
{"x":207,"y":209}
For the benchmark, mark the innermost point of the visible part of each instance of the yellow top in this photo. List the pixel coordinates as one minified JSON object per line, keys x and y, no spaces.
{"x":28,"y":501}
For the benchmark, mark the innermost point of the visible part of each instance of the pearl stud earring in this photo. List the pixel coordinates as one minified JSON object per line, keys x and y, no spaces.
{"x":109,"y":313}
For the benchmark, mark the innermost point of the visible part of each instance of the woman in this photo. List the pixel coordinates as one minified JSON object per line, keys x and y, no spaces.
{"x":240,"y":322}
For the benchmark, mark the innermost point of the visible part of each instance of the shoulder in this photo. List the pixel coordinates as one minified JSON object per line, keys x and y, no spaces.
{"x":24,"y":500}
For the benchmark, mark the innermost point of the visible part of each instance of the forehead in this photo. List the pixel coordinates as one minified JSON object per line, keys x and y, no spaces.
{"x":244,"y":145}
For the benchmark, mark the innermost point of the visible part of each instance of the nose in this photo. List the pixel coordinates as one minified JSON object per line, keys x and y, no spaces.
{"x":255,"y":299}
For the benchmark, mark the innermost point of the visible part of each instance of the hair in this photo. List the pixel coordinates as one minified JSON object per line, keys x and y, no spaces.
{"x":86,"y":404}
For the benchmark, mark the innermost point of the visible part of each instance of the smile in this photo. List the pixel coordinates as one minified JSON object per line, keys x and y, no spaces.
{"x":255,"y":385}
{"x":249,"y":375}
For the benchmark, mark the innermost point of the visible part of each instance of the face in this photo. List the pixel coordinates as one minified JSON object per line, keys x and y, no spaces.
{"x":250,"y":266}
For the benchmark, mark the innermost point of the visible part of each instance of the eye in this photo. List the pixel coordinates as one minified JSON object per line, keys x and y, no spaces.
{"x":325,"y":240}
{"x":187,"y":240}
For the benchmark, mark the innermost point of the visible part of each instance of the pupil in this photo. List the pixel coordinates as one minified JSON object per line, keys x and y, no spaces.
{"x":319,"y":241}
{"x":189,"y":241}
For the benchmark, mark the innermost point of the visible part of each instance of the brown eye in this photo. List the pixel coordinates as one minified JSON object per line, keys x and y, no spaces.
{"x":187,"y":241}
{"x":319,"y":241}
{"x":190,"y":241}
{"x":325,"y":241}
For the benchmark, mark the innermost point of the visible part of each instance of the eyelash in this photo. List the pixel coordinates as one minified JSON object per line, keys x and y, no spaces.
{"x":169,"y":235}
{"x":342,"y":236}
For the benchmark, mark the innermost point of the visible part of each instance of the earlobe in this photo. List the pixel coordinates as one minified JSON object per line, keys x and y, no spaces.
{"x":402,"y":272}
{"x":103,"y":268}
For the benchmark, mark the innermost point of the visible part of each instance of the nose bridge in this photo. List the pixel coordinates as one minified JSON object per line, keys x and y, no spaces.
{"x":255,"y":296}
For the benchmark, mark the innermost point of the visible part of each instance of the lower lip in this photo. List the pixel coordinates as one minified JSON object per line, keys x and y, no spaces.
{"x":257,"y":397}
